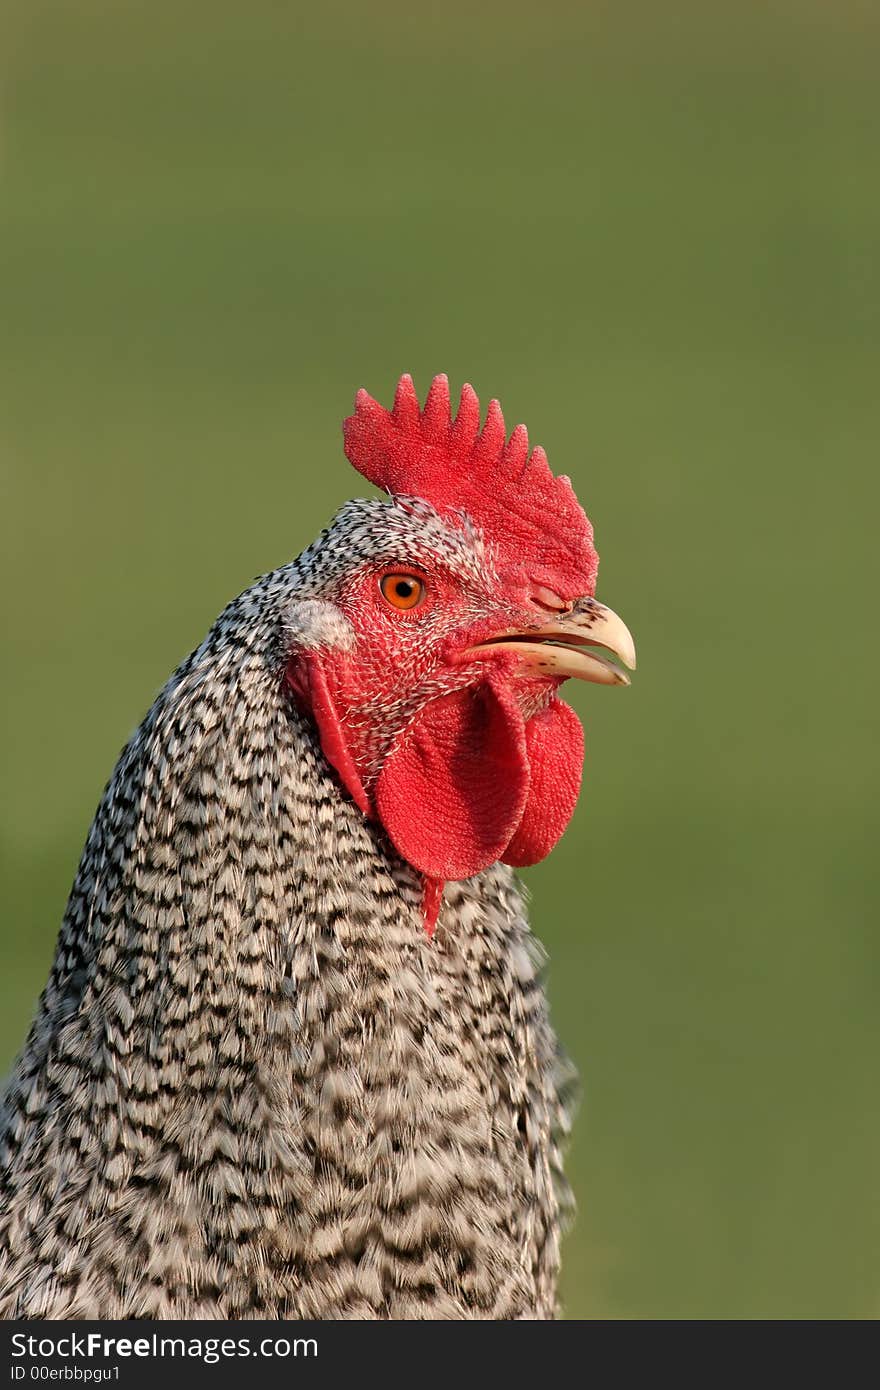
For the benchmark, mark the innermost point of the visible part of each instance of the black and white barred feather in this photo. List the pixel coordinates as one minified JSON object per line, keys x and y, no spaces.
{"x":254,"y":1087}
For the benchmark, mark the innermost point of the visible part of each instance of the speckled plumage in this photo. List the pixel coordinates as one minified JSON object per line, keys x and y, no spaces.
{"x":255,"y":1087}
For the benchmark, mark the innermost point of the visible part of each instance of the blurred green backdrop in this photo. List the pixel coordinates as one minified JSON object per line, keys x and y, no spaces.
{"x":653,"y":230}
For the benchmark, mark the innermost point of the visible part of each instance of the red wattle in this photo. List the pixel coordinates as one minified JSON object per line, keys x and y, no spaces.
{"x":555,"y":751}
{"x":454,"y":786}
{"x":306,"y":677}
{"x":468,"y":781}
{"x":432,"y":901}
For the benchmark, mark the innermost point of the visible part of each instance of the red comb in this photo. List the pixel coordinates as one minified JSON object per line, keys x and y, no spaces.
{"x":533,"y":519}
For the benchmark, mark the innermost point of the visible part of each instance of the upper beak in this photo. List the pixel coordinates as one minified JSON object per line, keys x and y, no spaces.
{"x":564,"y":645}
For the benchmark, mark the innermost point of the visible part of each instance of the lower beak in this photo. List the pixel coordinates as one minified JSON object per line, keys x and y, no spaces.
{"x":565,"y":646}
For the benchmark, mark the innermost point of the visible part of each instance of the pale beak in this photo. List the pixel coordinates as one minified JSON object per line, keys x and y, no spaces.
{"x":564,"y":646}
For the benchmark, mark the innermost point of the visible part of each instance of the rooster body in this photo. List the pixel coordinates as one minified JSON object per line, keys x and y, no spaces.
{"x":257,"y":1086}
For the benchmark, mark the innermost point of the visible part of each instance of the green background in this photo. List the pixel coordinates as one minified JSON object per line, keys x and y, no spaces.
{"x":652,"y":229}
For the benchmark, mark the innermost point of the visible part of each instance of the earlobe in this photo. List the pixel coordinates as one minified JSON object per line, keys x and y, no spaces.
{"x":308,"y":681}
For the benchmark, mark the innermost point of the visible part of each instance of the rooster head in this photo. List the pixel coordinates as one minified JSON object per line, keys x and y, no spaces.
{"x":437,"y":628}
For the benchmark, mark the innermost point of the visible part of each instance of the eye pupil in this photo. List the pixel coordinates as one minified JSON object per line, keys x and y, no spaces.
{"x":403,"y":588}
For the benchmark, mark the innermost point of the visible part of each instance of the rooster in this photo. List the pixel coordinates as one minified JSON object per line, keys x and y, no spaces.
{"x":293,"y":1059}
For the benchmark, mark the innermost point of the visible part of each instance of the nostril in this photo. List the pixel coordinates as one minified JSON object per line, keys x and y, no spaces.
{"x":547,"y":599}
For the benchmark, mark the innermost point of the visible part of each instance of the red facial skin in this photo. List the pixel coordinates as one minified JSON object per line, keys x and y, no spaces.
{"x":463,"y":760}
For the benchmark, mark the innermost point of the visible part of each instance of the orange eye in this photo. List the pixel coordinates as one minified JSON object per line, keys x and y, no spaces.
{"x":402,"y":590}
